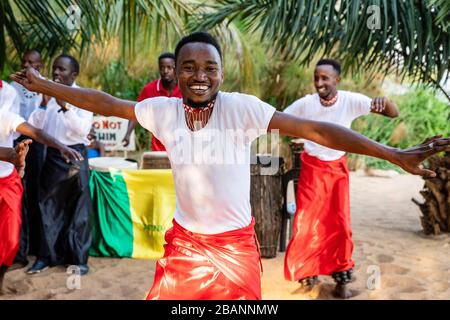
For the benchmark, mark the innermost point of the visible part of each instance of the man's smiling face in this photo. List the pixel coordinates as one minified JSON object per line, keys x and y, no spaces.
{"x":199,"y":72}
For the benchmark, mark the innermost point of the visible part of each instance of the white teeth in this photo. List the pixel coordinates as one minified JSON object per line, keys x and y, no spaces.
{"x":198,"y":87}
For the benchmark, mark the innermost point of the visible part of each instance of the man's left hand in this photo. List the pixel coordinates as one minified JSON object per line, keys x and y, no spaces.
{"x":378,"y":104}
{"x":410,"y":159}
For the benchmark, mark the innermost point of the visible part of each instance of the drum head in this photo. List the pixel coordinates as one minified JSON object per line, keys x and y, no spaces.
{"x":155,"y":154}
{"x":105,"y":164}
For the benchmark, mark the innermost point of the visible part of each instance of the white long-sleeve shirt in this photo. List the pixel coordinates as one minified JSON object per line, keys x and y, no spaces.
{"x":9,"y":122}
{"x":69,"y":128}
{"x":28,"y":100}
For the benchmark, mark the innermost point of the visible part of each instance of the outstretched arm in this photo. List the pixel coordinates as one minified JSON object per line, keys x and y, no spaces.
{"x":340,"y":138}
{"x":7,"y":154}
{"x":89,"y":99}
{"x":41,"y":137}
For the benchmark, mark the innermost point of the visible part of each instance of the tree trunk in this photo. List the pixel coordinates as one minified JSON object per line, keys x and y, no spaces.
{"x":436,"y":192}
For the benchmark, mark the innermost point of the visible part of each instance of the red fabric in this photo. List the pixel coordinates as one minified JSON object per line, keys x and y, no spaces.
{"x":1,"y":84}
{"x":321,"y":243}
{"x":156,"y":89}
{"x":195,"y":266}
{"x":10,"y":217}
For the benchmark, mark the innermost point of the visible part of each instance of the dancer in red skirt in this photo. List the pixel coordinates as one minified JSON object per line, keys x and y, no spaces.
{"x":10,"y":183}
{"x":322,"y":238}
{"x":211,"y":250}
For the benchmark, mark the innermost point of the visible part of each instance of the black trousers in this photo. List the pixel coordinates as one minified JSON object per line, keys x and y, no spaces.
{"x":65,"y":206}
{"x":29,"y":233}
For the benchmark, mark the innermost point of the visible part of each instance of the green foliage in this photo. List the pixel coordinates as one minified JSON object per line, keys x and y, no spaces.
{"x":116,"y":80}
{"x":410,"y":38}
{"x":55,"y":26}
{"x":421,"y":115}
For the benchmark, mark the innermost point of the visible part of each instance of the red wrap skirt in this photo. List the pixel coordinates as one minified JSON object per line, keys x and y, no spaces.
{"x":10,"y":217}
{"x":195,"y":266}
{"x":321,"y":243}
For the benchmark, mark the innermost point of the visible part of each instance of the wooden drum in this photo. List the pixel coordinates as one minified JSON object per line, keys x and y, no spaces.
{"x":155,"y":160}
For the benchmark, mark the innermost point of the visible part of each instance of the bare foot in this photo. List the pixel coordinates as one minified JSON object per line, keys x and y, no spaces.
{"x":343,"y":292}
{"x":307,"y":285}
{"x":3,"y":269}
{"x":17,"y":265}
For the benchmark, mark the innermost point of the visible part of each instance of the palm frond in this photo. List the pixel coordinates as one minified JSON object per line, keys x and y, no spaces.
{"x":44,"y":24}
{"x":408,"y":37}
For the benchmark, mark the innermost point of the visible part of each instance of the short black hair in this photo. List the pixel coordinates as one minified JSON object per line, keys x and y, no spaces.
{"x":73,"y":62}
{"x":335,"y":64}
{"x":33,"y":51}
{"x":200,"y":36}
{"x":166,"y":55}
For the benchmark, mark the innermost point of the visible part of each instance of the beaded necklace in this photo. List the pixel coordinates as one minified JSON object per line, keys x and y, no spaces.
{"x":329,"y":102}
{"x":197,"y":118}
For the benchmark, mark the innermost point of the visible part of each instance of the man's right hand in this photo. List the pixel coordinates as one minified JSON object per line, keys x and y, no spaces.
{"x":29,"y":78}
{"x":45,"y":100}
{"x":88,"y":99}
{"x":126,"y":140}
{"x":70,"y":155}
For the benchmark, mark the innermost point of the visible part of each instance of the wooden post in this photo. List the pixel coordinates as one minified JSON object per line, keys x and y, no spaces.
{"x":266,"y":198}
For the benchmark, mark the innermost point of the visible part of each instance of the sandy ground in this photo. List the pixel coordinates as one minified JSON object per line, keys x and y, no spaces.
{"x":387,"y":235}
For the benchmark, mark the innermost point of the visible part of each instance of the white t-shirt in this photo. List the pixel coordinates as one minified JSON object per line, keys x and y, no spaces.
{"x":211,"y":167}
{"x":69,"y":128}
{"x":9,"y":122}
{"x":348,"y":107}
{"x":28,"y":100}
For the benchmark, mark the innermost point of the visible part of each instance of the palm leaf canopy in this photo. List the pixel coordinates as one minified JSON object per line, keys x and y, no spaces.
{"x":55,"y":25}
{"x":411,"y":38}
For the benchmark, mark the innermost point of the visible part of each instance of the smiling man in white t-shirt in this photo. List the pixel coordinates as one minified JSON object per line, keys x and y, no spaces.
{"x":323,"y":185}
{"x":211,"y":251}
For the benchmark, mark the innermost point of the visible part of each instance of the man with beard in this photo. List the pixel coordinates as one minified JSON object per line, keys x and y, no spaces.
{"x":166,"y":86}
{"x":29,"y":101}
{"x":64,"y":199}
{"x":211,"y":251}
{"x":323,"y":185}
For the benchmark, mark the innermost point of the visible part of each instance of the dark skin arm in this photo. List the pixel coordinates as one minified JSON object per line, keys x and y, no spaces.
{"x":340,"y":138}
{"x":126,"y":139}
{"x":88,"y":99}
{"x":326,"y":134}
{"x":385,"y":107}
{"x":16,"y":155}
{"x":41,"y":137}
{"x":101,"y":148}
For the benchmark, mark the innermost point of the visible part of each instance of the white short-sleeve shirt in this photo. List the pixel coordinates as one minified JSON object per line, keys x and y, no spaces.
{"x":9,"y":122}
{"x":348,"y":107}
{"x":211,"y":166}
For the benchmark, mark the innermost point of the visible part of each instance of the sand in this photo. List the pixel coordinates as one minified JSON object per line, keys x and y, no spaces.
{"x":387,"y":236}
